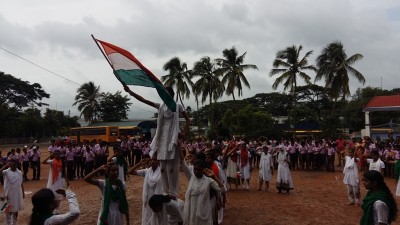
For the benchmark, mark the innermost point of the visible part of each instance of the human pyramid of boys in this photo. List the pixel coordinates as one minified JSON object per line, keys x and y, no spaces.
{"x":211,"y":168}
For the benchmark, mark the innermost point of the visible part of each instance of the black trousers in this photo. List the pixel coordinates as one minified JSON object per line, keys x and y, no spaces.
{"x":25,"y":167}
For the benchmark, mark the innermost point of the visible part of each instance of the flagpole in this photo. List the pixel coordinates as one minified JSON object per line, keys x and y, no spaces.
{"x":104,"y":54}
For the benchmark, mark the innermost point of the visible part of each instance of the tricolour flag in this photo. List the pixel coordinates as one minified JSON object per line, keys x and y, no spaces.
{"x":4,"y":206}
{"x":129,"y":71}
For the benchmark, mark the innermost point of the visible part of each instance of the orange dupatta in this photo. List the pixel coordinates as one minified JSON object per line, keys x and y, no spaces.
{"x":57,"y":164}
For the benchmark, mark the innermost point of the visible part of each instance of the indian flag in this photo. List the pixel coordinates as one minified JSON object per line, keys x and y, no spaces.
{"x":129,"y":71}
{"x":4,"y":206}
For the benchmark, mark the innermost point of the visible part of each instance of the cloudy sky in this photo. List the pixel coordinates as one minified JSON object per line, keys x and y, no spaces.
{"x":56,"y":35}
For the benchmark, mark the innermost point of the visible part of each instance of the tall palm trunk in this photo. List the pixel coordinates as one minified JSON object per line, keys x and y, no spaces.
{"x":180,"y":99}
{"x":333,"y":106}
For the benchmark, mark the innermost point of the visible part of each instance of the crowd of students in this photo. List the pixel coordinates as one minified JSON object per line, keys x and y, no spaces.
{"x":210,"y":167}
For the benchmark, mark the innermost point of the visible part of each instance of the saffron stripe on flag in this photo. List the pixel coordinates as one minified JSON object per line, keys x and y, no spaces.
{"x":130,"y":71}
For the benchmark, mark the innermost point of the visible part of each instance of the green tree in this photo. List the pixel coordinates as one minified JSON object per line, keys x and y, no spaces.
{"x":87,"y":99}
{"x":114,"y":107}
{"x":178,"y":77}
{"x":335,"y":67}
{"x":289,"y":64}
{"x":17,"y":93}
{"x":208,"y":85}
{"x":232,"y":68}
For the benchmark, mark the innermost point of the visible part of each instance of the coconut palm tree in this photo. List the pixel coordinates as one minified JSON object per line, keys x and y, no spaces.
{"x":232,"y":67}
{"x":208,"y":85}
{"x":289,"y":65}
{"x":178,"y":77}
{"x":335,"y":67}
{"x":88,"y":99}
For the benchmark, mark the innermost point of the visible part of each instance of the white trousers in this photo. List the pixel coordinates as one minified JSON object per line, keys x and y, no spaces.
{"x":11,"y":218}
{"x":354,"y":193}
{"x":170,"y":175}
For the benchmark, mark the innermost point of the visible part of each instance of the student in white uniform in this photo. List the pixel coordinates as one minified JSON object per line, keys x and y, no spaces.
{"x":379,"y":206}
{"x":165,"y":142}
{"x":167,"y":210}
{"x":43,"y":206}
{"x":351,"y":179}
{"x":151,"y":185}
{"x":284,"y":177}
{"x":376,"y":163}
{"x":197,"y":210}
{"x":266,"y":168}
{"x":56,"y":180}
{"x":114,"y":203}
{"x":13,"y":190}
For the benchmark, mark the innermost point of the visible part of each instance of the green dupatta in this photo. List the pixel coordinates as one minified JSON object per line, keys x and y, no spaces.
{"x":113,"y":195}
{"x":368,"y":205}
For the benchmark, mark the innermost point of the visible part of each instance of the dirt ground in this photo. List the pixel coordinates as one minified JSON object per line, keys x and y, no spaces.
{"x":317,"y":198}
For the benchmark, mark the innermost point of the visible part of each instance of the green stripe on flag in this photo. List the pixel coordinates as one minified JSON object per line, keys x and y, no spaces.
{"x":134,"y":77}
{"x":165,"y":96}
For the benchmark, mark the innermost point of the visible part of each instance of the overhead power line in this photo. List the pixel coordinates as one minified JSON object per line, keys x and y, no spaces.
{"x":41,"y":67}
{"x":56,"y":74}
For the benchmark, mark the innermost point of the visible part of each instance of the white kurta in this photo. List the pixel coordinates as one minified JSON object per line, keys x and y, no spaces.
{"x":69,"y":217}
{"x":13,"y":189}
{"x":151,"y":185}
{"x":265,"y":167}
{"x":59,"y":183}
{"x":197,"y":210}
{"x":350,"y":171}
{"x":114,"y":215}
{"x":283,"y":173}
{"x":165,"y":141}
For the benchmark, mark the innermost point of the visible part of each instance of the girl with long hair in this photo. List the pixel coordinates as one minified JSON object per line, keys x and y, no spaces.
{"x":379,"y":206}
{"x":44,"y":203}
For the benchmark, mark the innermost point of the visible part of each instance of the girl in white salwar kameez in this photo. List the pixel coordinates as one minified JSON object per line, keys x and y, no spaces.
{"x":284,"y":177}
{"x":351,"y":179}
{"x":114,"y":202}
{"x":266,"y":168}
{"x":197,"y":210}
{"x":167,"y":210}
{"x":55,"y":181}
{"x":13,"y":191}
{"x":151,"y":185}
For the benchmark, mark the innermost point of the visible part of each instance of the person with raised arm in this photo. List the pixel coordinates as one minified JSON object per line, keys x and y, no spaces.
{"x":56,"y":180}
{"x":197,"y":210}
{"x":13,"y":190}
{"x":114,"y":202}
{"x":151,"y":185}
{"x":165,"y":142}
{"x":43,"y":207}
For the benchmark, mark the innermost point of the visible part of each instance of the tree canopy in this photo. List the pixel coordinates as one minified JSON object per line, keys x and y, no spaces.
{"x":15,"y":92}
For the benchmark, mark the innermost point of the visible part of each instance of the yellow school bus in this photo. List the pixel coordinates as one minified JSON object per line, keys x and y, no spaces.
{"x":105,"y":133}
{"x":130,"y":131}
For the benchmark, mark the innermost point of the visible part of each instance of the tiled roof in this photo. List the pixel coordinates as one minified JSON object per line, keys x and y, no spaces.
{"x":384,"y":103}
